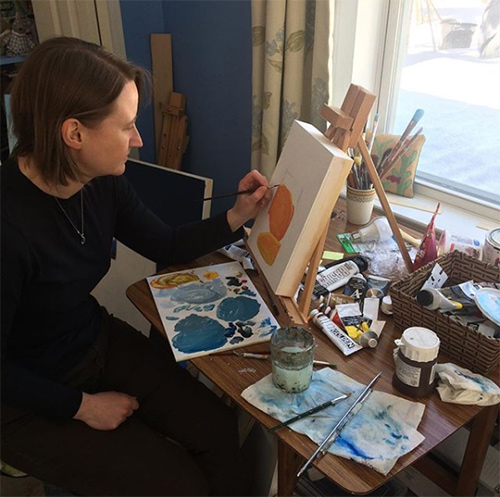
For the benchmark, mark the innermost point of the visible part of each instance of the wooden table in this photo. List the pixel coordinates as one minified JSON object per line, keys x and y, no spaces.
{"x":233,"y":374}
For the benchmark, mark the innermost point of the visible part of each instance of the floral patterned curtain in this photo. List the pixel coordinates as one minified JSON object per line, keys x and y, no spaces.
{"x":291,"y":52}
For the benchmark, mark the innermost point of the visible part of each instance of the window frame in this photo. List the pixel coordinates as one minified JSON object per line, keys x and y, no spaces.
{"x":397,"y":19}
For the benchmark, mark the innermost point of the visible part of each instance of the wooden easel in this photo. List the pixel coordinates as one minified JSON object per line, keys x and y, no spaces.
{"x":345,"y":131}
{"x":173,"y":140}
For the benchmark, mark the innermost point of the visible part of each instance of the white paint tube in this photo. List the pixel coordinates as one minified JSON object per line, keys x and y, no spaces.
{"x":340,"y":339}
{"x":450,"y":298}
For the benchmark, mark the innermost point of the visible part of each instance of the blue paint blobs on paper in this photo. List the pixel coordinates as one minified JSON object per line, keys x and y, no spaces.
{"x":238,"y":309}
{"x":244,"y":330}
{"x":270,"y":328}
{"x":348,"y":444}
{"x":248,"y":292}
{"x":231,"y":330}
{"x":181,"y":308}
{"x":236,"y":340}
{"x":171,"y":318}
{"x":198,"y":333}
{"x":195,"y":293}
{"x":233,"y":281}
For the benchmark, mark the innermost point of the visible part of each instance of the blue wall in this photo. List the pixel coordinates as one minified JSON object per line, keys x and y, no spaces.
{"x":212,"y":57}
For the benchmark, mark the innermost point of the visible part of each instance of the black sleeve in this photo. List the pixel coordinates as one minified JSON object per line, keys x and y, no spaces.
{"x":21,"y":386}
{"x":141,"y":230}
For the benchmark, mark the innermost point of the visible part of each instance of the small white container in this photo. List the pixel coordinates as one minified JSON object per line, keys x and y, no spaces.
{"x":359,"y":205}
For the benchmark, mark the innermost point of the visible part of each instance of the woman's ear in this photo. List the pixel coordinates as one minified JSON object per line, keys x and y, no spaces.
{"x":71,"y":132}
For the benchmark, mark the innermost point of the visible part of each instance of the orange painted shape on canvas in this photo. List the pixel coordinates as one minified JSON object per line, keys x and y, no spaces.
{"x":268,"y":247}
{"x":281,"y":212}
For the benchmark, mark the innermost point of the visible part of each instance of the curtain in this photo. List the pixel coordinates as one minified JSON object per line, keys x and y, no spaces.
{"x":290,"y":72}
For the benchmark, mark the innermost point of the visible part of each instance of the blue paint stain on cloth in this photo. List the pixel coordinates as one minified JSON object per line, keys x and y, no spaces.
{"x":458,"y":385}
{"x":384,"y":429}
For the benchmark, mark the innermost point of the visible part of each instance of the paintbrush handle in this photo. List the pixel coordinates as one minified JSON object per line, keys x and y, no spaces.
{"x":374,"y":131}
{"x":408,"y":143}
{"x":333,"y":433}
{"x":345,"y":420}
{"x":413,"y":122}
{"x":239,"y":192}
{"x":305,"y":414}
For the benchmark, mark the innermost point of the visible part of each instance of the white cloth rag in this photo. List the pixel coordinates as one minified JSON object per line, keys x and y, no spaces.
{"x":383,"y":430}
{"x":460,"y":386}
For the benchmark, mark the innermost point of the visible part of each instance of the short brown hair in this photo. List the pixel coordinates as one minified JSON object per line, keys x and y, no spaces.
{"x":65,"y":78}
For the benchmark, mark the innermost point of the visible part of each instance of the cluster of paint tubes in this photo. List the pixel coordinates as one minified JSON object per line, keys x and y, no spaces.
{"x":473,"y":304}
{"x":350,"y":319}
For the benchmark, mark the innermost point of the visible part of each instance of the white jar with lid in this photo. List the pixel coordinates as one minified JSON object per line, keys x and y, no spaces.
{"x":416,"y":358}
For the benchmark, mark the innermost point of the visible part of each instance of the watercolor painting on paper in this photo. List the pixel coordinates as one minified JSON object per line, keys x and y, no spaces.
{"x":210,"y":309}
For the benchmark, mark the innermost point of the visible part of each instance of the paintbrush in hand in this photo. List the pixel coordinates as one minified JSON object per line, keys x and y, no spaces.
{"x":240,"y":192}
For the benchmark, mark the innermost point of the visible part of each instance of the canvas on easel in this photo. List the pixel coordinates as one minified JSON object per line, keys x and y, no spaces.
{"x":282,"y":274}
{"x":310,"y":173}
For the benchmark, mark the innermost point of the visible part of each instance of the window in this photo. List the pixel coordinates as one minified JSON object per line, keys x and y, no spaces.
{"x":443,"y":56}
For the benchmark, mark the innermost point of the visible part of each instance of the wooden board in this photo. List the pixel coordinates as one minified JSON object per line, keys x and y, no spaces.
{"x":163,"y":82}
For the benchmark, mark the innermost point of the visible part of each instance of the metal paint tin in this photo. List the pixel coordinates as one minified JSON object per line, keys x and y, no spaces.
{"x":491,"y":250}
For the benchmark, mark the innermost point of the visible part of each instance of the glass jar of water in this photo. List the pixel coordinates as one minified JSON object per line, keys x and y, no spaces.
{"x":292,"y":353}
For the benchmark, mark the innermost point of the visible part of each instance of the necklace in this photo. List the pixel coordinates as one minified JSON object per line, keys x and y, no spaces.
{"x":81,"y":233}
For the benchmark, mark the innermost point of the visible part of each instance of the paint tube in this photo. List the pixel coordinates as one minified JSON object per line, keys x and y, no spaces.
{"x":378,"y":286}
{"x":356,"y":325}
{"x":356,"y":287}
{"x":334,"y":333}
{"x":450,"y":298}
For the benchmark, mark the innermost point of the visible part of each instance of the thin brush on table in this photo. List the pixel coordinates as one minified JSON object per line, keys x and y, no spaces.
{"x":264,"y":357}
{"x":332,"y":436}
{"x":314,"y":410}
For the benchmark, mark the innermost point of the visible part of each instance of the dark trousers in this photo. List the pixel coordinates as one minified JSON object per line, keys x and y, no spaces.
{"x":183,"y":440}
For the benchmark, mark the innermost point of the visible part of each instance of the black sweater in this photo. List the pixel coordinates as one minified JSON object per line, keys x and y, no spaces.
{"x":49,"y":319}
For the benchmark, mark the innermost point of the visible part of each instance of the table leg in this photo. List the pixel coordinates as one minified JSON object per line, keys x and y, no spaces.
{"x":475,"y":452}
{"x":288,"y":465}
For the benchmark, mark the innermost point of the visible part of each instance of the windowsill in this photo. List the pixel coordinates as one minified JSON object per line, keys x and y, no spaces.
{"x":416,"y":212}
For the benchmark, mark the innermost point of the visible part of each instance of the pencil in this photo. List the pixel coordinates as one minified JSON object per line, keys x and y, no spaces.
{"x":314,"y":410}
{"x":239,"y":192}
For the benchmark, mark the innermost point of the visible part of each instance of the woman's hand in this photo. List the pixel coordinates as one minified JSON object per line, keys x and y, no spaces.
{"x":106,"y":410}
{"x":248,"y":205}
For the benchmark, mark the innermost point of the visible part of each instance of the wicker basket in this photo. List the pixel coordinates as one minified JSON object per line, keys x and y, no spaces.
{"x":460,"y":343}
